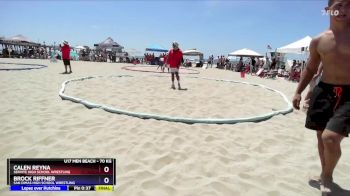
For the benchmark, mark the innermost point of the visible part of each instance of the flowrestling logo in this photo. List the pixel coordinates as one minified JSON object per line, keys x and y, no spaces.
{"x":330,"y":12}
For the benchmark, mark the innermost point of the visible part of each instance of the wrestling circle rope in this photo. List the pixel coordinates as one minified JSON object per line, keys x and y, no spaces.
{"x":36,"y":66}
{"x":258,"y":118}
{"x":139,"y":69}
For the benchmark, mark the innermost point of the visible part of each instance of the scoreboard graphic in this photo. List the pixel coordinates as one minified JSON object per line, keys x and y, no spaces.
{"x":70,"y":174}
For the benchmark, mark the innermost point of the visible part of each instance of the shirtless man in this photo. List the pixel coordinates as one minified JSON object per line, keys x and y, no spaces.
{"x":330,"y":103}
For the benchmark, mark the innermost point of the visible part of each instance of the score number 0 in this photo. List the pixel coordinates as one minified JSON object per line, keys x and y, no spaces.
{"x":106,"y":170}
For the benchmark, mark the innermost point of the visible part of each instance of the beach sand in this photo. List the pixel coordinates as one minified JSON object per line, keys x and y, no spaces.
{"x":271,"y":158}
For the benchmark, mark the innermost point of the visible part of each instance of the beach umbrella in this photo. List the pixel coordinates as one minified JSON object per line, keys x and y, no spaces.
{"x":245,"y":53}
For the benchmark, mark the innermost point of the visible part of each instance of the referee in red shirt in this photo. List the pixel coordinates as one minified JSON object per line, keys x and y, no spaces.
{"x":65,"y":49}
{"x":174,"y":60}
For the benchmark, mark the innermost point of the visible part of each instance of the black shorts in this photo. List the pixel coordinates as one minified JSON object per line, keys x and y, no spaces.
{"x":330,"y":109}
{"x":66,"y":62}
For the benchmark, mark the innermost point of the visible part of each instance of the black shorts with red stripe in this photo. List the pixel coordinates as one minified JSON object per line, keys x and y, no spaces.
{"x":330,"y":109}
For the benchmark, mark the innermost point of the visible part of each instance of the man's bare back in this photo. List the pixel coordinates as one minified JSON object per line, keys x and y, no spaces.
{"x":334,"y":52}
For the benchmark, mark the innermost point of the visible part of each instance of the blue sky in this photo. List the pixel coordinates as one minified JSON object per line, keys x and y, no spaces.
{"x":214,"y":27}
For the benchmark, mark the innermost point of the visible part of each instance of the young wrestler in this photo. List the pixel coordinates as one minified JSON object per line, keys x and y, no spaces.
{"x":329,"y":110}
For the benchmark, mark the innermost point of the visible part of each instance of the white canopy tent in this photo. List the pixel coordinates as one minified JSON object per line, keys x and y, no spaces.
{"x":19,"y":38}
{"x":109,"y":44}
{"x":297,"y":47}
{"x":245,"y":53}
{"x":80,"y":48}
{"x":192,"y":52}
{"x":18,"y":41}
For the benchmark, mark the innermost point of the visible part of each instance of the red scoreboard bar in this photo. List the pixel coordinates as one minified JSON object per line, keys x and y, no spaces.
{"x":69,"y":174}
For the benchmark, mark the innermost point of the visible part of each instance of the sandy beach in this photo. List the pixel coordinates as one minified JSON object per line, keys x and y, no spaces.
{"x":275,"y":157}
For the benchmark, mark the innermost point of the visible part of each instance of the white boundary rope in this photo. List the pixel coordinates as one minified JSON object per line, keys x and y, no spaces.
{"x":257,"y":118}
{"x":132,"y":68}
{"x":34,"y":66}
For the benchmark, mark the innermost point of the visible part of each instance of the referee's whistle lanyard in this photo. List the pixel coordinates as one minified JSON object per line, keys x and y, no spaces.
{"x":338,"y":94}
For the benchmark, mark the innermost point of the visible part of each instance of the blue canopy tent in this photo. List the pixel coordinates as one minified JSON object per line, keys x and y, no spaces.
{"x":156,"y":48}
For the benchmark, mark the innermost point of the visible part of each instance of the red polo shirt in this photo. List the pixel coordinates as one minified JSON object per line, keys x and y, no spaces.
{"x":65,"y":52}
{"x":174,"y":58}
